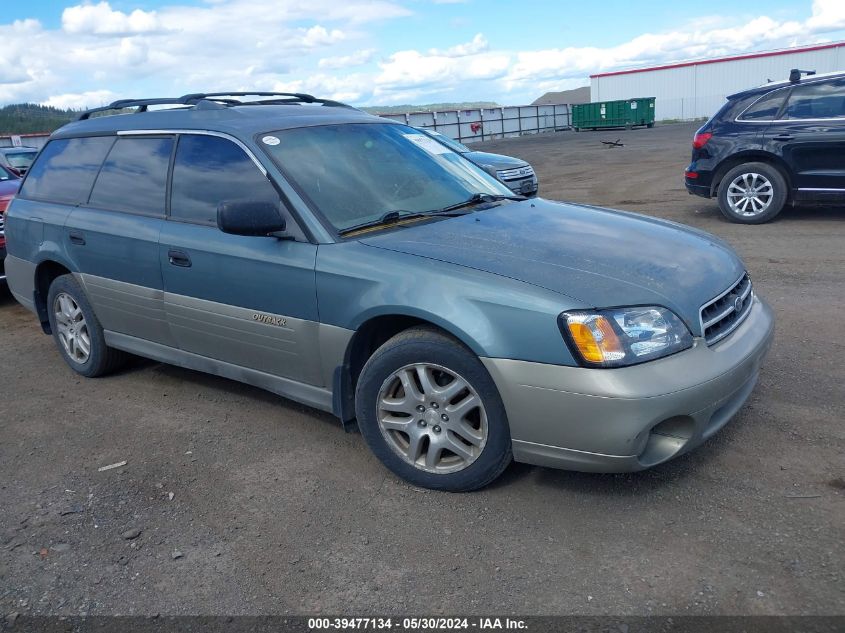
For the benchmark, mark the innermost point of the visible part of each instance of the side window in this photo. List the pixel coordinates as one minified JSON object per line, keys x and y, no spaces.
{"x":824,"y":100}
{"x":766,"y":108}
{"x":134,"y":176}
{"x":65,"y":169}
{"x":208,"y":170}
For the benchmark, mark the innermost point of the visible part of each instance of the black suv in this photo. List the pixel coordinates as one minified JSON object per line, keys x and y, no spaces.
{"x":780,"y":143}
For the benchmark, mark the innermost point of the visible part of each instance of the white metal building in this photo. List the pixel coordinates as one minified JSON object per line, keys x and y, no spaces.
{"x":695,"y":89}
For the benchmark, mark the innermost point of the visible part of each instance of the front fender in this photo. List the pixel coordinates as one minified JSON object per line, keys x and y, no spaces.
{"x":493,"y":315}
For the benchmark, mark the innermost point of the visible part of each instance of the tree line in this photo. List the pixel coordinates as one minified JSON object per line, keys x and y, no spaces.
{"x":29,"y":118}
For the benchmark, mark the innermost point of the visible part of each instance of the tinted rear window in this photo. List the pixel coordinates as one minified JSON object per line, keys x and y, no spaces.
{"x":208,"y":170}
{"x":20,"y":160}
{"x":766,"y":108}
{"x":134,"y":176}
{"x":65,"y":169}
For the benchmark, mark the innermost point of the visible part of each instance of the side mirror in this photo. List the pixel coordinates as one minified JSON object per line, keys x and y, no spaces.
{"x":249,"y":217}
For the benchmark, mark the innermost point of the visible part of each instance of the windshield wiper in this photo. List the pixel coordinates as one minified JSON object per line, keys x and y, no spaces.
{"x":391,"y":217}
{"x":478,"y":198}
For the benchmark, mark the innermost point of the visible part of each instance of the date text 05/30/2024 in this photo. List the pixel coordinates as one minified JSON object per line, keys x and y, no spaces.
{"x":417,"y":624}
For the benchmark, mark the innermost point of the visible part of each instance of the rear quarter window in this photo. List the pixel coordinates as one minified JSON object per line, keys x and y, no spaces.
{"x":65,"y":170}
{"x":766,"y":108}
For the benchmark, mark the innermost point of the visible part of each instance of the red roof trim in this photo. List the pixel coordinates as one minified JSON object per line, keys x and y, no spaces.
{"x":719,"y":60}
{"x":25,"y":135}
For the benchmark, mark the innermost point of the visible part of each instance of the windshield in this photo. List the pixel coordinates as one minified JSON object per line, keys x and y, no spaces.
{"x":448,"y":142}
{"x":354,"y":173}
{"x":20,"y":159}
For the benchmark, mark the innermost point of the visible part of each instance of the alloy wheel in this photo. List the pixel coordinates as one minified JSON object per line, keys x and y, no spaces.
{"x":750,"y":194}
{"x":432,"y":418}
{"x":72,"y":328}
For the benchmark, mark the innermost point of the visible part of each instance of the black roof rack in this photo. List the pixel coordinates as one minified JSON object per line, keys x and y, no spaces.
{"x":120,"y":104}
{"x":193,"y":99}
{"x":795,"y":74}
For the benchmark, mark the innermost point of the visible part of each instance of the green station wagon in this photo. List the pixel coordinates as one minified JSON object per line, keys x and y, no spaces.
{"x":360,"y":267}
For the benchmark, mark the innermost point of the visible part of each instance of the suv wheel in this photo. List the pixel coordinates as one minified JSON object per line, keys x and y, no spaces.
{"x":429,"y":410}
{"x":76,"y":330}
{"x":752,"y":193}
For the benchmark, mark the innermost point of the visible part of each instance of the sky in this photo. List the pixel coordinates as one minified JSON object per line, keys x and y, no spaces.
{"x":86,"y":53}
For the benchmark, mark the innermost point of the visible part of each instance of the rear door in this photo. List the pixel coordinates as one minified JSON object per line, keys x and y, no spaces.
{"x":248,"y":301}
{"x":810,"y":136}
{"x":113,"y":237}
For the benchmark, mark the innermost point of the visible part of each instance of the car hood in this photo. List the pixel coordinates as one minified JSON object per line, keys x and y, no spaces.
{"x":497,"y":161}
{"x":598,"y":257}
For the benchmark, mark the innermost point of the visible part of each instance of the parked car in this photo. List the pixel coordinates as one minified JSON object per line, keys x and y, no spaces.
{"x":778,"y":144}
{"x":518,"y":175}
{"x":9,"y":184}
{"x":18,"y":159}
{"x":352,"y":264}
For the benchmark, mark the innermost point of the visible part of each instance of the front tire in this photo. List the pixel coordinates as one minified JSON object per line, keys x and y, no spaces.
{"x":752,"y":193}
{"x":429,"y":410}
{"x":77,"y":331}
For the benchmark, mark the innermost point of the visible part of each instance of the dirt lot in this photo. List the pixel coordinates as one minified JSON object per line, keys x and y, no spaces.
{"x":247,"y":503}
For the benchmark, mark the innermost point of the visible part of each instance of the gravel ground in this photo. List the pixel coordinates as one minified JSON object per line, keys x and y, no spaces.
{"x":234,"y":501}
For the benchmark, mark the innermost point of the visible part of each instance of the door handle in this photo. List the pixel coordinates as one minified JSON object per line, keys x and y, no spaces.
{"x":76,"y":237}
{"x":783,"y":137}
{"x":178,"y":258}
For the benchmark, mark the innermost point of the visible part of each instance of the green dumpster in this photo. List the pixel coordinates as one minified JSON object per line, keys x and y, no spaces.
{"x":603,"y":114}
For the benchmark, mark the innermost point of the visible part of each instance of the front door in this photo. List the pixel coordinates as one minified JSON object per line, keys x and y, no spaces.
{"x":247,"y":301}
{"x":810,"y":136}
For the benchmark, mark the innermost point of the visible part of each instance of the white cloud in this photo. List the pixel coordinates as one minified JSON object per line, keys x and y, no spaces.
{"x":81,"y":100}
{"x":320,"y":36}
{"x":654,"y":48}
{"x":409,"y":70}
{"x":358,"y":58}
{"x":349,"y":88}
{"x":479,"y":44}
{"x":100,"y":19}
{"x":827,"y":15}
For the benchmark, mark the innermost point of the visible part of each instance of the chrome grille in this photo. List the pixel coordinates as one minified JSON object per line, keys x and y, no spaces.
{"x":517,"y":173}
{"x":2,"y":224}
{"x":722,"y":315}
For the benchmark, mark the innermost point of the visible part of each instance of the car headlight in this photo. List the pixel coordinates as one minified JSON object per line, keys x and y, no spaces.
{"x":623,"y":336}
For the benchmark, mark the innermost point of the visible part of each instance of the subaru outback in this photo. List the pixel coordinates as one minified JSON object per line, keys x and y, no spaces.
{"x":360,"y":267}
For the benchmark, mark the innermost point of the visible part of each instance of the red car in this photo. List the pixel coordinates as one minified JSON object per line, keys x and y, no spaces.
{"x":10,"y":182}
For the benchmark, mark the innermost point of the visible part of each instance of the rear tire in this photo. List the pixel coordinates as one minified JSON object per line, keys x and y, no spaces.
{"x":77,"y":331}
{"x":752,"y":193}
{"x":429,"y":410}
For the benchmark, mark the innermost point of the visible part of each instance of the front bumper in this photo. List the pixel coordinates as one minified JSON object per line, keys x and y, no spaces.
{"x":632,"y":418}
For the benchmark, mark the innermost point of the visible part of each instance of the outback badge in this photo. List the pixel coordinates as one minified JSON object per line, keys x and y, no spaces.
{"x":269,"y":319}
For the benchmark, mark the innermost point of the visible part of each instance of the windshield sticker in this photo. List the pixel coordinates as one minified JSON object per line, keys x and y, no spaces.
{"x":271,"y":140}
{"x":427,"y":143}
